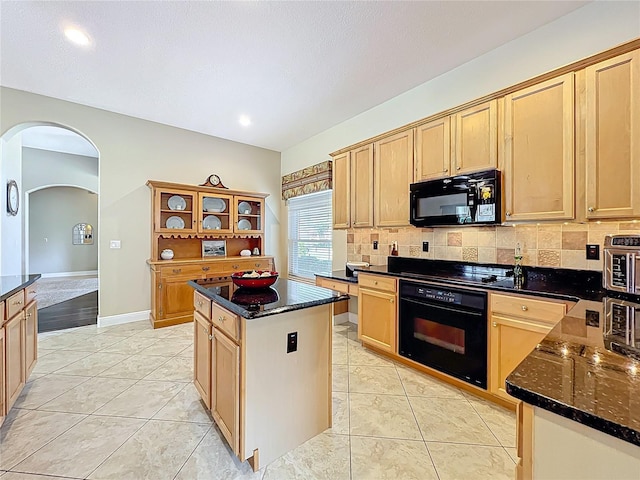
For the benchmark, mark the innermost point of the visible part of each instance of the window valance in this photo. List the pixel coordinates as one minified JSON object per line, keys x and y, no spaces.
{"x":315,"y":178}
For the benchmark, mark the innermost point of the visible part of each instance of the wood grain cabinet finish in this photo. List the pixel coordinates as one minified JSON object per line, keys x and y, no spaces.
{"x":362,"y":192}
{"x":378,"y":312}
{"x":14,"y":357}
{"x":341,"y":191}
{"x":3,"y":407}
{"x":612,"y":137}
{"x":517,"y":325}
{"x":30,"y":338}
{"x":225,"y":388}
{"x":457,"y":144}
{"x":539,"y":151}
{"x":202,"y":356}
{"x":393,"y":161}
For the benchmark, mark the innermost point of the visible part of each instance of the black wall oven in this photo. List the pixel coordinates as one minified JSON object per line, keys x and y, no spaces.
{"x":445,"y":328}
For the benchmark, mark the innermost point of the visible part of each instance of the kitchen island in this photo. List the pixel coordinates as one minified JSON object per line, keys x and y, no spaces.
{"x":263,"y":364}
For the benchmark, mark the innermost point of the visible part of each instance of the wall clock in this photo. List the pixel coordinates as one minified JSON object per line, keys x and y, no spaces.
{"x":213,"y":180}
{"x":13,"y":197}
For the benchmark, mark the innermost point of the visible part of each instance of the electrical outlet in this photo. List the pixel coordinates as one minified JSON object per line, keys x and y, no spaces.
{"x":425,"y":246}
{"x":593,"y":251}
{"x":292,"y":342}
{"x":375,"y":244}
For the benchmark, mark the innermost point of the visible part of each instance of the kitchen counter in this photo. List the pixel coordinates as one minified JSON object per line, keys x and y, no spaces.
{"x":10,"y":284}
{"x":283,"y":296}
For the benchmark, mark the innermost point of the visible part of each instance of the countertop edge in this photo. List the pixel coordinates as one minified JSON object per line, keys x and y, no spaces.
{"x":32,"y":278}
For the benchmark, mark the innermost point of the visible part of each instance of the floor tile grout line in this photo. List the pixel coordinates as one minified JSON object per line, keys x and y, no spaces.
{"x":485,"y":423}
{"x":192,"y":452}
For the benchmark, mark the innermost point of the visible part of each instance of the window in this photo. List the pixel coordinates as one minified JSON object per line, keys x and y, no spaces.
{"x":310,"y":235}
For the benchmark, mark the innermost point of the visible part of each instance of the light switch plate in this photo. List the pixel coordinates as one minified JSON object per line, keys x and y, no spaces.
{"x":114,"y":244}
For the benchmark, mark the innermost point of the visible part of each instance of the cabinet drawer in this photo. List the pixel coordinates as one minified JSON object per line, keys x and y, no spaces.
{"x":2,"y":319}
{"x":202,"y":304}
{"x":528,"y":308}
{"x":226,"y":321}
{"x":15,"y":303}
{"x":191,"y":271}
{"x":336,"y":285}
{"x":378,"y":282}
{"x":30,"y":293}
{"x":253,"y":264}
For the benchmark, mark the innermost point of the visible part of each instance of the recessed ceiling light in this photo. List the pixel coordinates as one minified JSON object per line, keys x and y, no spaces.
{"x":77,"y":36}
{"x":244,"y":120}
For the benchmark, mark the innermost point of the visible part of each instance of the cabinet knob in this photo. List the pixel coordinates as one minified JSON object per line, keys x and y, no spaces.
{"x":375,"y":282}
{"x":222,"y":319}
{"x":508,"y":214}
{"x":28,"y":314}
{"x":591,"y":209}
{"x":524,"y":308}
{"x":18,"y":302}
{"x":177,"y":270}
{"x":445,"y":170}
{"x":257,"y":265}
{"x":391,"y":300}
{"x":457,"y":168}
{"x":210,"y":337}
{"x":494,"y":324}
{"x":206,"y":269}
{"x":32,"y":291}
{"x":235,"y":267}
{"x":199,"y":302}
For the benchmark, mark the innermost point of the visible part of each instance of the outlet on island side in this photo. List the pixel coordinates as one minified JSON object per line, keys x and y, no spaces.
{"x":292,"y":342}
{"x":425,"y":246}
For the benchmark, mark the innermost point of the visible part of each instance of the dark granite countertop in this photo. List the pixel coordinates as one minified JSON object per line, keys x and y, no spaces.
{"x":283,"y":296}
{"x":340,"y":275}
{"x":10,"y":284}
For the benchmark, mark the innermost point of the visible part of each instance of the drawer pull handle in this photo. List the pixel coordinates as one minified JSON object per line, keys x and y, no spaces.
{"x":391,"y":300}
{"x":508,"y":214}
{"x":18,"y":302}
{"x":199,"y":302}
{"x":28,"y":314}
{"x":206,"y":269}
{"x":524,"y":308}
{"x":457,"y":168}
{"x":494,"y":324}
{"x":235,"y":267}
{"x":591,"y":209}
{"x":257,"y":265}
{"x":32,"y":291}
{"x":177,"y":270}
{"x":445,"y":170}
{"x":375,"y":282}
{"x":222,"y":319}
{"x":210,"y":337}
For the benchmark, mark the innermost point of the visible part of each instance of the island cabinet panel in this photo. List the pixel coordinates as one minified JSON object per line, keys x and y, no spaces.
{"x":30,"y":338}
{"x":539,"y":151}
{"x":393,"y":161}
{"x":362,"y":194}
{"x":202,"y":356}
{"x":433,"y":149}
{"x":3,"y":409}
{"x":476,"y":139}
{"x":378,"y":312}
{"x":518,"y":324}
{"x":225,"y":388}
{"x":14,"y":358}
{"x":612,"y":137}
{"x":342,"y":190}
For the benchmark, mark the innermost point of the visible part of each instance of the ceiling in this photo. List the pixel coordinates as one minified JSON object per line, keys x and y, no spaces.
{"x":296,"y":68}
{"x":57,"y":139}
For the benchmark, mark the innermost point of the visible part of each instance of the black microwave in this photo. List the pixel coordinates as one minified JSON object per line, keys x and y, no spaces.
{"x":472,"y":199}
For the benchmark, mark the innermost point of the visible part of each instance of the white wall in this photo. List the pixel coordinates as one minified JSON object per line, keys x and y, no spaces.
{"x":53,"y":212}
{"x":44,"y":167}
{"x":133,"y":151}
{"x":11,"y":226}
{"x":596,"y":27}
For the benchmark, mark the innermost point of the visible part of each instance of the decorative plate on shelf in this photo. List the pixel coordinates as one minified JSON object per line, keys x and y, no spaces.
{"x":244,"y":224}
{"x":244,"y":209}
{"x":175,"y":222}
{"x":176,"y":202}
{"x":211,"y":222}
{"x":213,"y":204}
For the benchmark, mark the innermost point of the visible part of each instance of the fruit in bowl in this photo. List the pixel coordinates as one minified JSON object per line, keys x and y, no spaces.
{"x":254,"y":279}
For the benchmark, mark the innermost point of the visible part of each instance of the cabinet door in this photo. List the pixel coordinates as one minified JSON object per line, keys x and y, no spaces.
{"x":393,"y":175}
{"x":612,"y":137}
{"x":176,"y":298}
{"x":3,"y":410}
{"x":433,"y":152}
{"x":249,"y":215}
{"x":202,"y":357}
{"x":362,"y":187}
{"x":14,"y":358}
{"x":30,"y":338}
{"x":539,"y":151}
{"x":377,"y":319}
{"x":341,"y":190}
{"x":476,"y":139}
{"x":225,"y":388}
{"x":215,"y":213}
{"x":175,"y":211}
{"x":511,"y":340}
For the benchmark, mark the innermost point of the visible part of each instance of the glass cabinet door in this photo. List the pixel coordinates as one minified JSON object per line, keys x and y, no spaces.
{"x":175,"y":211}
{"x":249,"y":215}
{"x":215,"y":215}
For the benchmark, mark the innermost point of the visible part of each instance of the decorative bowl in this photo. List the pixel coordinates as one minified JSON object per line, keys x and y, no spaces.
{"x":257,"y":282}
{"x":166,"y":254}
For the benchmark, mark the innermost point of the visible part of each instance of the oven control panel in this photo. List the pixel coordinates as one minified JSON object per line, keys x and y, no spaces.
{"x":428,"y":293}
{"x":440,"y":295}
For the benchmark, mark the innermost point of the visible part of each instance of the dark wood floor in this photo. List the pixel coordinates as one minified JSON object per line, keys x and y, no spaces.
{"x":76,"y":312}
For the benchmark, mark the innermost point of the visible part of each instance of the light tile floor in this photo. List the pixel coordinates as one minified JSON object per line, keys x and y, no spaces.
{"x":118,"y":403}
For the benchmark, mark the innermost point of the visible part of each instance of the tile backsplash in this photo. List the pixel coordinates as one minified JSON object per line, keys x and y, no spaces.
{"x":545,"y":245}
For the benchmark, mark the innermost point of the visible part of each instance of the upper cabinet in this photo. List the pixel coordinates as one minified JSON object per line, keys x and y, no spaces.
{"x":393,"y":160}
{"x":612,"y":137}
{"x":457,"y":144}
{"x":353,"y":188}
{"x":539,"y":151}
{"x":216,"y":212}
{"x":248,"y":214}
{"x":175,"y":210}
{"x":341,"y":190}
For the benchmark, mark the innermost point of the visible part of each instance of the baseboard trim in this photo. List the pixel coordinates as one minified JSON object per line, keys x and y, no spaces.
{"x":353,"y":318}
{"x":341,"y":318}
{"x":70,"y":274}
{"x":110,"y":320}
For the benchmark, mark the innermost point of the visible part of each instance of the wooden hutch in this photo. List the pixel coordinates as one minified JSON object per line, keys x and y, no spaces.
{"x":182,"y":218}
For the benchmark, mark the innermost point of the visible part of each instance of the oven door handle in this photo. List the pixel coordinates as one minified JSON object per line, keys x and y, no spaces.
{"x":446,"y":309}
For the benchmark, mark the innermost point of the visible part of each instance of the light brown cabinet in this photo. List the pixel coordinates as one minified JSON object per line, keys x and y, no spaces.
{"x":461,"y":143}
{"x":14,"y":357}
{"x":393,"y":161}
{"x":539,"y":151}
{"x":225,"y":387}
{"x":378,"y":312}
{"x":612,"y":137}
{"x":517,"y":325}
{"x":3,"y":409}
{"x":353,"y":188}
{"x":30,"y":338}
{"x":341,"y":191}
{"x":202,"y":356}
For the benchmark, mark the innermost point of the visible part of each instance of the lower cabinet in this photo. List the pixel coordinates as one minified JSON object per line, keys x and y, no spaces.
{"x":225,"y":388}
{"x":3,"y":410}
{"x":202,"y":357}
{"x":30,"y":338}
{"x":14,"y":357}
{"x":378,"y":312}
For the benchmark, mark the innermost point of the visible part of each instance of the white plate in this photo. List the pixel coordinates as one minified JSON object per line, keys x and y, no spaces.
{"x":212,"y":204}
{"x":211,"y":222}
{"x":175,"y":222}
{"x":244,"y":224}
{"x":176,"y":202}
{"x":244,"y":209}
